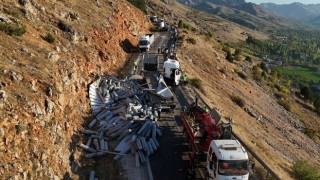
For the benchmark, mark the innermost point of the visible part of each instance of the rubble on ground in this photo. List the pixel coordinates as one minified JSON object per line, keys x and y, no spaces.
{"x":124,"y":112}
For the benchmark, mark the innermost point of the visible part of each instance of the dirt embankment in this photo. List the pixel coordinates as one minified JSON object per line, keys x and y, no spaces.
{"x":44,"y":100}
{"x":275,"y":134}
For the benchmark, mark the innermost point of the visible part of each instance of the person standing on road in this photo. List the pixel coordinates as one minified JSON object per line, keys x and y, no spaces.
{"x":185,"y":79}
{"x":135,"y":66}
{"x":159,"y":49}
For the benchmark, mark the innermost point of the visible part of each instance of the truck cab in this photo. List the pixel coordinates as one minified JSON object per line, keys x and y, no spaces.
{"x":145,"y":42}
{"x":172,"y":71}
{"x":227,"y":159}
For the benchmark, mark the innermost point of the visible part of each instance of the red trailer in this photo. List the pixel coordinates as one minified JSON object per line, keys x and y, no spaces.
{"x":200,"y":129}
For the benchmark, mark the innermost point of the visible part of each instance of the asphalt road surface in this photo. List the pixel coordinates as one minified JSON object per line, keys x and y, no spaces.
{"x":171,"y":161}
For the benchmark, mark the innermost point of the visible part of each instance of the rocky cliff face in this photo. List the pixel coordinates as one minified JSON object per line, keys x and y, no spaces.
{"x":43,"y":96}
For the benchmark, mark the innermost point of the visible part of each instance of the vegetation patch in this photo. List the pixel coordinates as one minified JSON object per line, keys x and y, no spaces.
{"x":306,"y":92}
{"x":192,"y":40}
{"x":310,"y":132}
{"x":249,"y":59}
{"x":49,"y":38}
{"x":238,"y":100}
{"x":316,"y":104}
{"x":281,"y":88}
{"x":229,"y":57}
{"x":280,"y":95}
{"x":242,"y":75}
{"x":303,"y":170}
{"x":196,"y":82}
{"x":13,"y":29}
{"x":286,"y":104}
{"x":257,"y":73}
{"x":300,"y":74}
{"x":210,"y":34}
{"x":187,"y":26}
{"x":140,"y":4}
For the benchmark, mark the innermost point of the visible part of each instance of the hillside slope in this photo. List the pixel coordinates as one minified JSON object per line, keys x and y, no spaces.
{"x":276,"y":135}
{"x":43,"y":102}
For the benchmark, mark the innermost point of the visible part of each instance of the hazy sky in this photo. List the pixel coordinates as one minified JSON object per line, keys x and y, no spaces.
{"x":285,"y":1}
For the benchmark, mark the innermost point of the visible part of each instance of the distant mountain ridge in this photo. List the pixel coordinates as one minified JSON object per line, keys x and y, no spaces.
{"x":228,"y":3}
{"x":238,"y":11}
{"x":237,"y":4}
{"x":308,"y":13}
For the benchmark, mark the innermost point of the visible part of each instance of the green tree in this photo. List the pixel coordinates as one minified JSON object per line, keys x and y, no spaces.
{"x":256,"y":72}
{"x":237,"y":52}
{"x":263,"y":66}
{"x":306,"y":92}
{"x":180,"y":24}
{"x":249,"y":59}
{"x":229,"y":57}
{"x":316,"y":104}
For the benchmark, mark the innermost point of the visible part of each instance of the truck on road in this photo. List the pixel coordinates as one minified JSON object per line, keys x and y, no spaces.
{"x":212,"y":146}
{"x":172,"y":71}
{"x":145,"y":42}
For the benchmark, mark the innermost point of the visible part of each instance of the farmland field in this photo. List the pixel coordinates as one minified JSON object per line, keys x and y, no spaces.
{"x":300,"y":74}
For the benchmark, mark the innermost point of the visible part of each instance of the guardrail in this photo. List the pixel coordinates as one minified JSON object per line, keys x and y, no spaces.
{"x":254,"y":155}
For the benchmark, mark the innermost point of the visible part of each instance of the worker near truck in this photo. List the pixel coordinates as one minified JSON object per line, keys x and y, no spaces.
{"x":185,"y":79}
{"x":135,"y":66}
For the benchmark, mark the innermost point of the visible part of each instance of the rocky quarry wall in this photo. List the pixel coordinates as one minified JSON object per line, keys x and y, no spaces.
{"x":44,"y":86}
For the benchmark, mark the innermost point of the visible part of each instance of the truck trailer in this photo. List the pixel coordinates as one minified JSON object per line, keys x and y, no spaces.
{"x":172,"y":71}
{"x":145,"y":42}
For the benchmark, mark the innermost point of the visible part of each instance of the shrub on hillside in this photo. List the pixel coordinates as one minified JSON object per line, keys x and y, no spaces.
{"x":140,"y":4}
{"x":196,"y":82}
{"x":257,"y":73}
{"x":187,"y":26}
{"x":263,"y":66}
{"x":286,"y":104}
{"x":238,"y":52}
{"x":210,"y":34}
{"x":13,"y":29}
{"x":316,"y":104}
{"x":281,"y":88}
{"x":249,"y":59}
{"x":306,"y":92}
{"x":310,"y":132}
{"x":226,"y":49}
{"x":180,"y":24}
{"x":192,"y":40}
{"x":238,"y":100}
{"x":280,"y":95}
{"x":238,"y":57}
{"x":303,"y":170}
{"x":229,"y":57}
{"x":242,"y":75}
{"x":49,"y":38}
